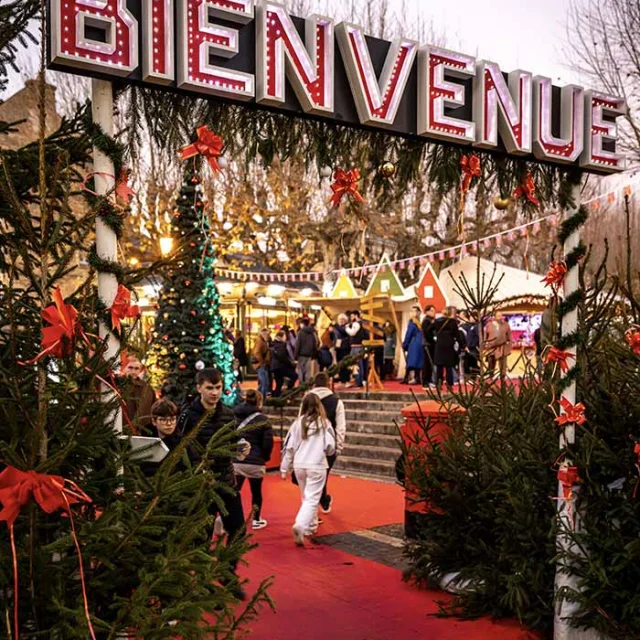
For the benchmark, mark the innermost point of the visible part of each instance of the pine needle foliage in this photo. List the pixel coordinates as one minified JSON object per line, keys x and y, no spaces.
{"x":150,"y":568}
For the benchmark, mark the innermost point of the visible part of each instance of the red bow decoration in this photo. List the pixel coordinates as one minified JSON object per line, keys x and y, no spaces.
{"x":555,"y":276}
{"x":527,"y":189}
{"x":122,"y":307}
{"x":632,"y":336}
{"x":573,"y":413}
{"x":470,"y":166}
{"x":568,"y":476}
{"x":123,"y":190}
{"x":345,"y":182}
{"x":52,"y":493}
{"x":208,"y":145}
{"x":558,"y":356}
{"x":59,"y":338}
{"x":636,"y":450}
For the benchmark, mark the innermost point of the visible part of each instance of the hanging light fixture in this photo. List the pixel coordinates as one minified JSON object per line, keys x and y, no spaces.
{"x":166,"y":245}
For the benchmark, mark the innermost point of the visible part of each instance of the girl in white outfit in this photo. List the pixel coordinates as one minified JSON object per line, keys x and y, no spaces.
{"x":310,"y":440}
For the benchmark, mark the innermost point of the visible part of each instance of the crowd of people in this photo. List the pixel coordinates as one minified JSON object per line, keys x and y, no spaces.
{"x":292,"y":356}
{"x":314,"y":441}
{"x":446,"y":346}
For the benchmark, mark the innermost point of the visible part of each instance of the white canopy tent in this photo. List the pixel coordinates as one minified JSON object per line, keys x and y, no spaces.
{"x":517,"y":288}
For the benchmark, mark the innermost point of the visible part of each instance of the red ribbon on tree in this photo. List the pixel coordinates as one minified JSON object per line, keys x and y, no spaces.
{"x":345,"y":182}
{"x":568,"y":476}
{"x":470,"y":166}
{"x":52,"y":493}
{"x":122,"y":307}
{"x":60,"y":337}
{"x":573,"y":413}
{"x":559,"y":357}
{"x":555,"y":276}
{"x":632,"y":336}
{"x":208,"y":145}
{"x":527,"y":189}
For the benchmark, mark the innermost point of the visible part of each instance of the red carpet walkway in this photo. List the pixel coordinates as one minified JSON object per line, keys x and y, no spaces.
{"x":322,"y":593}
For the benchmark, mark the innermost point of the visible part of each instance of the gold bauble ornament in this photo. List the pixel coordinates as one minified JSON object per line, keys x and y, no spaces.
{"x":501,"y":203}
{"x":388,"y":170}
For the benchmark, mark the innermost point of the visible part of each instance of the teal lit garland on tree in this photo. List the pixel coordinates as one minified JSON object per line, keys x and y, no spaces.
{"x":188,"y":333}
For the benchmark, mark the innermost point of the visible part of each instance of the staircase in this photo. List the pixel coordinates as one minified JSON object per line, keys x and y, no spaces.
{"x":372,"y":443}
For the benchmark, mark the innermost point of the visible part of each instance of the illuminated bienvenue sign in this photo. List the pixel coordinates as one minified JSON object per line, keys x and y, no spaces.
{"x":256,"y":53}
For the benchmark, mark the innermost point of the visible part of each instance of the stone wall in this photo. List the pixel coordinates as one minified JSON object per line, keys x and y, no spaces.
{"x":23,"y":105}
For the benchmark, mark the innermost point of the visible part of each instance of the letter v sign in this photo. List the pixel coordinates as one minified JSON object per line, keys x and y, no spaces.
{"x":377,"y":101}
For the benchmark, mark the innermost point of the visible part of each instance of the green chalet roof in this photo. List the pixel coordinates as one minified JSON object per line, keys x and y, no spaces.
{"x":385,"y":281}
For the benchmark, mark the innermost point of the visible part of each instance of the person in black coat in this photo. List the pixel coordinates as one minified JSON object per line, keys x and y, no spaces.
{"x":240,"y":353}
{"x":447,"y":349}
{"x":258,"y":432}
{"x":282,"y":365}
{"x":216,"y":415}
{"x":343,"y":346}
{"x":428,"y":344}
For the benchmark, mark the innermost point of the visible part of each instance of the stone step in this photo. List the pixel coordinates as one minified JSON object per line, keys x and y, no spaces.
{"x":360,"y":426}
{"x":370,"y":452}
{"x":361,"y":414}
{"x":370,"y":467}
{"x":383,"y":395}
{"x":357,"y":439}
{"x":373,"y":405}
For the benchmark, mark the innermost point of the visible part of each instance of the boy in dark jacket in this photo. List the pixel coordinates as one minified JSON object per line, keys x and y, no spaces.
{"x":164,"y":421}
{"x":207,"y":407}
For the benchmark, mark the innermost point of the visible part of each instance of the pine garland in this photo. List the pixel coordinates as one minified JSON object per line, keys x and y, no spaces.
{"x":106,"y":266}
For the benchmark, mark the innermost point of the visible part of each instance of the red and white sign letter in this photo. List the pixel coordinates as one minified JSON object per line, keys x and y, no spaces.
{"x":158,"y":62}
{"x":435,"y":94}
{"x":504,"y":107}
{"x":377,"y":101}
{"x":200,"y":38}
{"x":598,"y":131}
{"x":309,"y":70}
{"x":569,"y":146}
{"x":99,"y":35}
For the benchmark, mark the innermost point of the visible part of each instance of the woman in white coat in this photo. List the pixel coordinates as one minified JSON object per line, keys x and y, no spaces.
{"x":310,"y":440}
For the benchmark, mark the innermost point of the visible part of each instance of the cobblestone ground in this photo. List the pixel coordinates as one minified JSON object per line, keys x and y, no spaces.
{"x":380,"y":544}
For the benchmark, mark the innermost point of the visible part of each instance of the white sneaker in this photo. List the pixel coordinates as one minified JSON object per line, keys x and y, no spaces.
{"x":218,"y":527}
{"x":259,"y":524}
{"x":298,"y":536}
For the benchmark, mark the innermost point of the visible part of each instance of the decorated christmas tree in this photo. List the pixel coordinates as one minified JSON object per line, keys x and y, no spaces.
{"x":90,"y":546}
{"x":188,"y":333}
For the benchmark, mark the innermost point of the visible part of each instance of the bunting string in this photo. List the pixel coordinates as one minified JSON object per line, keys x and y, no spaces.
{"x":459,"y":250}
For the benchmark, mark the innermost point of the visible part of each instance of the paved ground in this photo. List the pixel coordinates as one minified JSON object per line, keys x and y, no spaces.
{"x":347,"y":584}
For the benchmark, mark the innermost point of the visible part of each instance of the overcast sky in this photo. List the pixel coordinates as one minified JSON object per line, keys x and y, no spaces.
{"x":527,"y":34}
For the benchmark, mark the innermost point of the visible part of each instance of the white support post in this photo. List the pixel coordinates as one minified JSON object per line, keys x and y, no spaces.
{"x":106,"y":240}
{"x":562,"y":628}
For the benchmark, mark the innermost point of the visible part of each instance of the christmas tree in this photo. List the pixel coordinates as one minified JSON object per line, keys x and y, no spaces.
{"x":491,"y":485}
{"x":188,"y":333}
{"x":87,"y":541}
